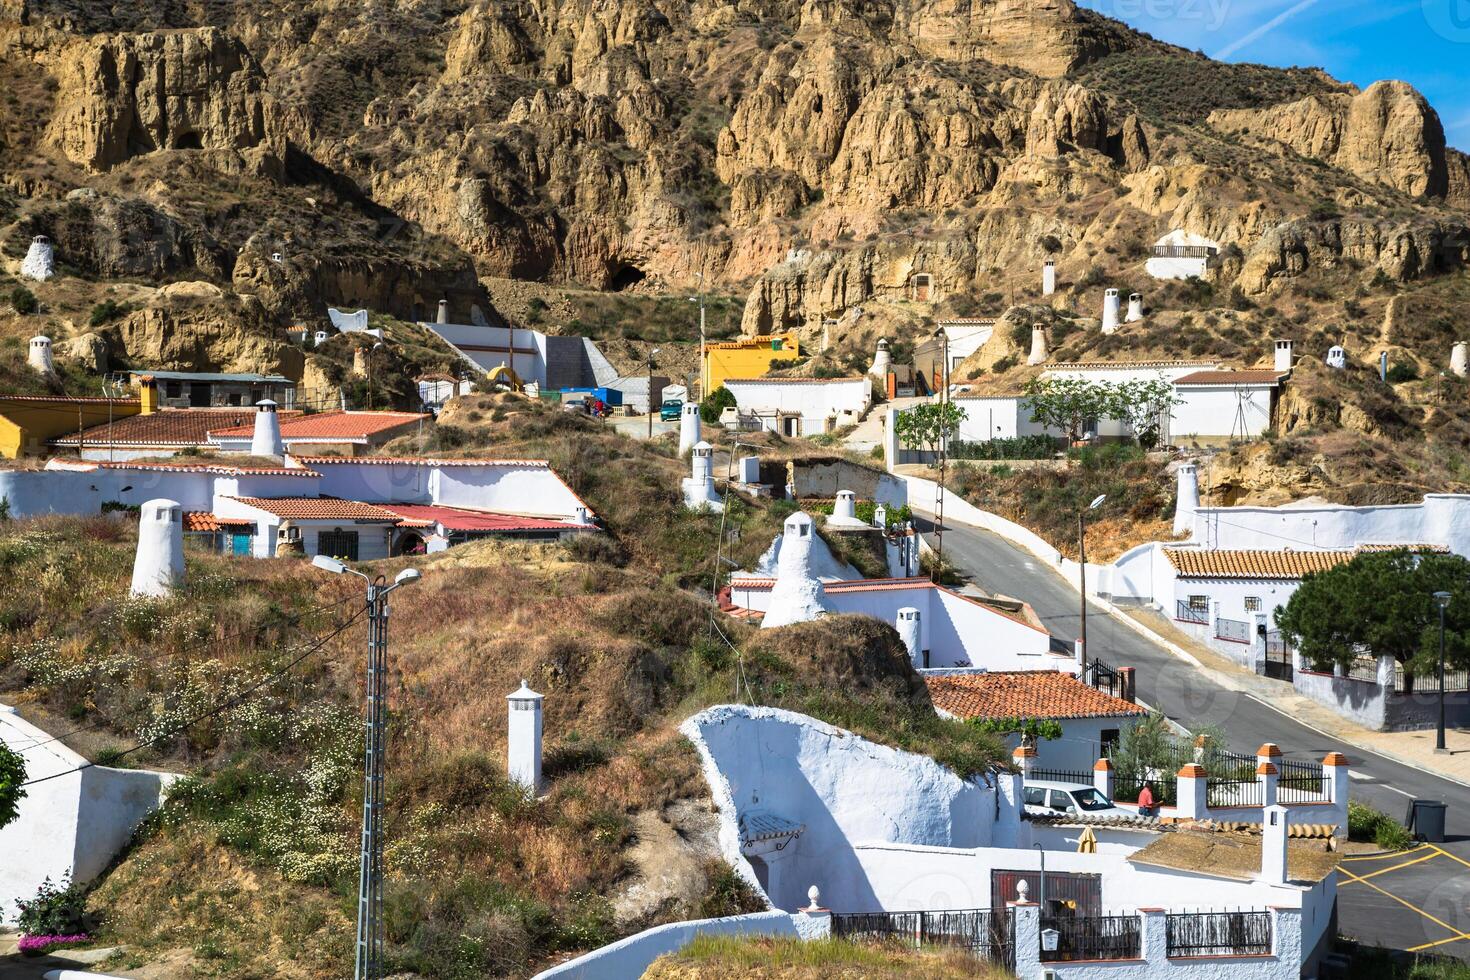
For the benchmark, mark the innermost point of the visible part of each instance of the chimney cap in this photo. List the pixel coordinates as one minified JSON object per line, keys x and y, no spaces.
{"x":266,"y":405}
{"x":524,"y":693}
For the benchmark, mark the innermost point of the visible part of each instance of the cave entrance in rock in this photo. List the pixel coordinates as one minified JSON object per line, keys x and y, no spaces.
{"x":188,"y":141}
{"x":625,"y":277}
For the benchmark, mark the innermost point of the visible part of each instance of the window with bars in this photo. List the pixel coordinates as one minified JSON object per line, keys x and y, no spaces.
{"x":1252,"y":603}
{"x":1199,"y":603}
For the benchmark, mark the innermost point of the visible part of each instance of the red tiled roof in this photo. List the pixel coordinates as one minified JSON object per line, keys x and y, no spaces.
{"x":221,"y":469}
{"x":1125,"y":365}
{"x":70,"y":400}
{"x":319,"y":509}
{"x":415,"y":461}
{"x":204,"y":521}
{"x":1023,"y":694}
{"x":332,"y":425}
{"x":460,"y":519}
{"x":791,"y":381}
{"x":1253,"y":564}
{"x":1231,"y":378}
{"x":166,"y":427}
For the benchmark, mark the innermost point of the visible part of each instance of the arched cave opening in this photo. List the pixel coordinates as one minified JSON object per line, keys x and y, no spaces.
{"x":626,"y":277}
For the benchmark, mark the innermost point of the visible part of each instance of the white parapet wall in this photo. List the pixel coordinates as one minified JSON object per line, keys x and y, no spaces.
{"x":1441,"y":519}
{"x":72,"y":825}
{"x":627,"y":959}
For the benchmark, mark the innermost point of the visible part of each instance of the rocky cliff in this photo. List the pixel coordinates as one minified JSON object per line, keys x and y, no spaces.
{"x":821,"y":158}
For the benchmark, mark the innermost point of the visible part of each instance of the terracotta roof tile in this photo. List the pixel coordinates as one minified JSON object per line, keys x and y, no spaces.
{"x":204,"y":521}
{"x":319,"y":509}
{"x":1023,"y":694}
{"x":219,"y":469}
{"x":332,"y":425}
{"x":1231,"y":378}
{"x":464,"y":519}
{"x":1128,"y":365}
{"x":1253,"y":564}
{"x":167,"y":427}
{"x":791,"y":381}
{"x":415,"y":461}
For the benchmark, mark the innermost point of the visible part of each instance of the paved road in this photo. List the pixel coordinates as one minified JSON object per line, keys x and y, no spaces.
{"x":1391,"y":909}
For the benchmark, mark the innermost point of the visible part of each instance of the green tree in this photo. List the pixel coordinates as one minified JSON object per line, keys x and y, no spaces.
{"x":1381,"y":602}
{"x":1144,"y":405}
{"x":1069,"y":403}
{"x":719,"y":400}
{"x":12,"y":778}
{"x":929,"y":424}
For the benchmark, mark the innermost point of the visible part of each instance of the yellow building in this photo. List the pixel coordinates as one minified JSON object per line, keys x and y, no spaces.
{"x":28,"y":422}
{"x":750,"y":357}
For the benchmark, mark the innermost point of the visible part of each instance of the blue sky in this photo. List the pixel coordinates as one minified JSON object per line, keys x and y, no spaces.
{"x":1423,"y":42}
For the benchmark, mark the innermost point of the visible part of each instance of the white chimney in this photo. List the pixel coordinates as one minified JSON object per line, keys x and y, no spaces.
{"x":688,"y":427}
{"x":39,"y":355}
{"x":909,"y":631}
{"x":844,"y":508}
{"x":750,"y":470}
{"x":1038,"y":345}
{"x":1135,"y":308}
{"x":158,"y":565}
{"x":1460,"y":358}
{"x":319,"y":338}
{"x":443,"y":315}
{"x":1187,"y":499}
{"x":1337,"y":358}
{"x":1283,"y":355}
{"x":880,"y":517}
{"x":266,"y":440}
{"x":1273,"y":845}
{"x":798,"y":595}
{"x":1110,"y":311}
{"x":523,"y":742}
{"x":40,"y":261}
{"x":882,"y":361}
{"x":1049,"y":277}
{"x":699,"y":489}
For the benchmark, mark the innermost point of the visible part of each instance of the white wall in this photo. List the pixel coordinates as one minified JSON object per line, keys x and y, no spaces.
{"x":998,"y":417}
{"x":814,"y":401}
{"x":1441,"y":518}
{"x":1211,"y":411}
{"x":906,"y":877}
{"x":70,"y":826}
{"x":503,"y":487}
{"x":629,"y":958}
{"x":1080,"y":746}
{"x":842,"y":788}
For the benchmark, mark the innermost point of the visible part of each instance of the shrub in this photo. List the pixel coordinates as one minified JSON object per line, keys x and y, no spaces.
{"x":23,"y":300}
{"x":1366,"y":823}
{"x":1400,"y":373}
{"x":107,"y":311}
{"x":57,"y":910}
{"x":718,"y":400}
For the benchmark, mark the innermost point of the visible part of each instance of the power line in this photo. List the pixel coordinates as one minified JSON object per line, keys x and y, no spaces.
{"x":221,"y":707}
{"x":102,"y":723}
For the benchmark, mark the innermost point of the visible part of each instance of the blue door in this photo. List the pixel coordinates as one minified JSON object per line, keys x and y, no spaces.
{"x":240,"y":543}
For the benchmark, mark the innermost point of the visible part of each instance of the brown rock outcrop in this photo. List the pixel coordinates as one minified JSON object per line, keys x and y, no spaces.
{"x":1388,"y":133}
{"x":127,"y":94}
{"x":1403,"y":251}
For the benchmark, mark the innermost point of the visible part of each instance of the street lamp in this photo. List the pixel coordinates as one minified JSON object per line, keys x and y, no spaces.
{"x":703,"y":376}
{"x":943,"y":339}
{"x":651,"y":355}
{"x":1082,"y":577}
{"x":369,"y":948}
{"x":1441,"y":599}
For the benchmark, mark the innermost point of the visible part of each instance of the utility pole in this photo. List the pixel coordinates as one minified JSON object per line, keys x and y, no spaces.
{"x":943,"y":339}
{"x":1082,"y":579}
{"x":1441,"y":599}
{"x":369,"y":945}
{"x":651,"y":354}
{"x":703,"y":376}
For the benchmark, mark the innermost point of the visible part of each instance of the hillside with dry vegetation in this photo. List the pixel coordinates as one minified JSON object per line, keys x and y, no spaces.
{"x":250,"y":869}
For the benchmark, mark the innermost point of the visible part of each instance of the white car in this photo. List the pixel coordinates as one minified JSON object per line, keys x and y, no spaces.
{"x":1044,"y":798}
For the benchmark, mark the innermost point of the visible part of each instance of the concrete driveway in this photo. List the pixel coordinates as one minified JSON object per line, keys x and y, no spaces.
{"x":1192,"y":698}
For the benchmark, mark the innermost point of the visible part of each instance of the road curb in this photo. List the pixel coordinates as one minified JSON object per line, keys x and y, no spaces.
{"x":1225,"y":680}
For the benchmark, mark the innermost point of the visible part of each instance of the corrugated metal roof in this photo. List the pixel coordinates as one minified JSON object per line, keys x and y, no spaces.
{"x":1231,"y":378}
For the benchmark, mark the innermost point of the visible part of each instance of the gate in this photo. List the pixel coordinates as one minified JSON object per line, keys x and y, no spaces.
{"x":338,"y":544}
{"x":1278,"y":656}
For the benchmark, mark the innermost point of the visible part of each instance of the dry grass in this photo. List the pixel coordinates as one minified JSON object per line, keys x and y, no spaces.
{"x":766,"y":958}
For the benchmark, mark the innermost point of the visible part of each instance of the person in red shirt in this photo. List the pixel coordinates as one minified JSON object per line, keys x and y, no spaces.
{"x":1146,"y":801}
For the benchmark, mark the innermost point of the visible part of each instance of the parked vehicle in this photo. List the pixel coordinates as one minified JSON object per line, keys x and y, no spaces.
{"x":669,"y":410}
{"x":1045,"y":798}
